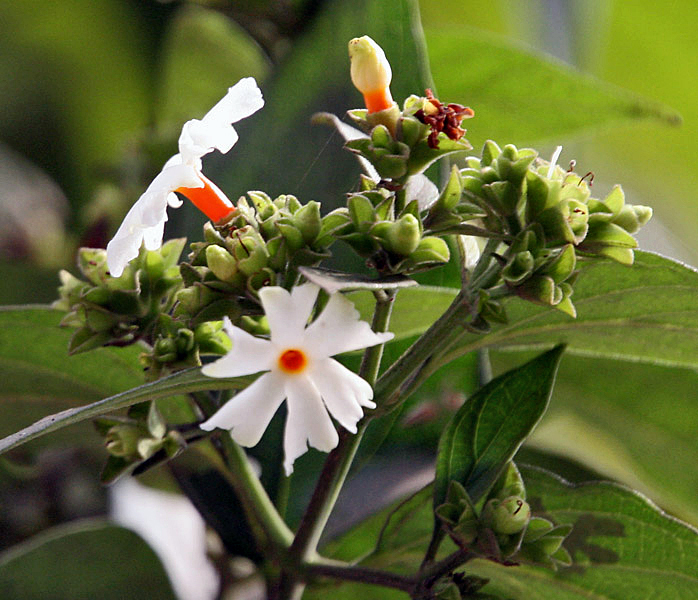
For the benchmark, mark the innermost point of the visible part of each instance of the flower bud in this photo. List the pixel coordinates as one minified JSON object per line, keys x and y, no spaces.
{"x":431,"y":249}
{"x":403,"y":236}
{"x":509,"y":516}
{"x":371,"y":73}
{"x":220,"y":262}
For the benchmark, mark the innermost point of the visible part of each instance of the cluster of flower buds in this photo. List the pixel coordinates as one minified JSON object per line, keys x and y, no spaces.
{"x":118,"y":311}
{"x":264,"y":244}
{"x":546,"y":219}
{"x":136,"y":438}
{"x":394,"y":240}
{"x":399,"y":143}
{"x":504,"y":529}
{"x":178,"y":347}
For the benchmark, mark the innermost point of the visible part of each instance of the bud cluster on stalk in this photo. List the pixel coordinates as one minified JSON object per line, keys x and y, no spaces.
{"x":503,"y":529}
{"x":393,"y":239}
{"x":140,"y":436}
{"x":263,"y":244}
{"x":117,"y":311}
{"x":546,"y":219}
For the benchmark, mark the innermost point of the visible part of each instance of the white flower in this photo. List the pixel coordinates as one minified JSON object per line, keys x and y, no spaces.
{"x":145,"y":222}
{"x":297,"y":358}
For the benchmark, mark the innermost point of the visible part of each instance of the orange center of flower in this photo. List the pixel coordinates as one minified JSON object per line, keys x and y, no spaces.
{"x":378,"y":100}
{"x":209,"y":200}
{"x":293,"y":361}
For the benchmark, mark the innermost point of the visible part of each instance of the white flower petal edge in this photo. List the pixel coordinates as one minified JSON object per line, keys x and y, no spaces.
{"x":316,"y":389}
{"x":145,"y":221}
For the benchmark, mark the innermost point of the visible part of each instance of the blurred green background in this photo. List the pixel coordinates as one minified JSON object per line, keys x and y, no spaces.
{"x":94,"y":94}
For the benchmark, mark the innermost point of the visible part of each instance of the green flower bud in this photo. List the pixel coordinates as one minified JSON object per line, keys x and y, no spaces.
{"x":220,"y":261}
{"x":185,"y":341}
{"x":308,"y":221}
{"x":403,"y":235}
{"x":211,"y":338}
{"x":507,"y":516}
{"x":361,"y":211}
{"x":518,"y":268}
{"x":122,"y":440}
{"x":292,"y":235}
{"x":380,"y":136}
{"x":563,"y":265}
{"x":431,"y":249}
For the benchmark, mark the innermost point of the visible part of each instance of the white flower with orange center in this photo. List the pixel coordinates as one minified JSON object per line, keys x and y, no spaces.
{"x":145,"y":222}
{"x":299,"y":370}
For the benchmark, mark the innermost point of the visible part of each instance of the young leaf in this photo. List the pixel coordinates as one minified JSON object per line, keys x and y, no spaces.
{"x":488,"y":429}
{"x":84,"y":559}
{"x":622,"y":546}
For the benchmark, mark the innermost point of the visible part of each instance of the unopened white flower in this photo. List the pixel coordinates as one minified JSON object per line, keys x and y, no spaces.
{"x":300,"y":370}
{"x":145,"y":222}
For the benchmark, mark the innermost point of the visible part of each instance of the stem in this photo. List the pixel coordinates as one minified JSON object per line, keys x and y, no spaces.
{"x":399,"y":378}
{"x":337,"y":465}
{"x":337,"y":570}
{"x":247,"y":484}
{"x":242,"y":477}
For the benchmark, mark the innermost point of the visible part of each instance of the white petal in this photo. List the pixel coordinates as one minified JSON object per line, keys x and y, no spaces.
{"x":338,"y":329}
{"x":248,"y":355}
{"x":288,"y":313}
{"x":146,"y":219}
{"x":242,"y":100}
{"x":307,"y":421}
{"x":248,"y":413}
{"x":215,"y":130}
{"x":339,"y":389}
{"x":420,"y":188}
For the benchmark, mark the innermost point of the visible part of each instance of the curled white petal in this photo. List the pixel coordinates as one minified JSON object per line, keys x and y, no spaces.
{"x":146,"y":219}
{"x":215,"y":131}
{"x":338,"y":329}
{"x":247,"y":414}
{"x":342,"y":394}
{"x":307,"y":422}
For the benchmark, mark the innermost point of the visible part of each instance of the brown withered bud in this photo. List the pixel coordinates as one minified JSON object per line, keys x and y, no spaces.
{"x":443,"y":118}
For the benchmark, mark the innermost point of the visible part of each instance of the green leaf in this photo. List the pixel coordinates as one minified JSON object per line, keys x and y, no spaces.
{"x":520,"y":97}
{"x":183,"y":382}
{"x":85,"y":559}
{"x":38,"y":375}
{"x":647,"y":312}
{"x":309,"y":161}
{"x":414,"y":309}
{"x":622,"y":546}
{"x":625,"y":419}
{"x":488,"y":429}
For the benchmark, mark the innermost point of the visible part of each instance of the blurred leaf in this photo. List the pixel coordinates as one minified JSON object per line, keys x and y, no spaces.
{"x":633,"y":422}
{"x":24,"y":282}
{"x":647,"y":312}
{"x":204,"y":52}
{"x":81,"y":561}
{"x":80,"y":80}
{"x":488,"y":429}
{"x":520,"y":97}
{"x":279,"y":150}
{"x":38,"y":375}
{"x":623,"y":547}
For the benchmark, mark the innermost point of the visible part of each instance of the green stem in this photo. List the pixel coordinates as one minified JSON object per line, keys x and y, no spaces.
{"x":244,"y":480}
{"x":347,"y":572}
{"x":400,"y":377}
{"x":254,"y":495}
